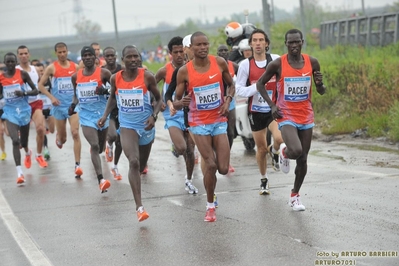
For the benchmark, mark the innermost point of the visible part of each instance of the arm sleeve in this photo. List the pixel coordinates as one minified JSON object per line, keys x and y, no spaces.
{"x":241,"y":83}
{"x":171,"y":87}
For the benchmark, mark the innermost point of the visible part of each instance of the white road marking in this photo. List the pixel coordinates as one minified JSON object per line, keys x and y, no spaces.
{"x":24,"y":240}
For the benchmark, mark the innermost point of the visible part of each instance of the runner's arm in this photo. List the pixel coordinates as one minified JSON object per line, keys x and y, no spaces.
{"x":271,"y":70}
{"x":241,"y":82}
{"x":317,"y":76}
{"x":27,"y":79}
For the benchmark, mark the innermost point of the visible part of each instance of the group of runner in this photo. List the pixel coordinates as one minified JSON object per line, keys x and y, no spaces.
{"x":115,"y":104}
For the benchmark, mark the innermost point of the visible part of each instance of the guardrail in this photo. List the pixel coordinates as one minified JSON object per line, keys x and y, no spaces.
{"x":376,"y":30}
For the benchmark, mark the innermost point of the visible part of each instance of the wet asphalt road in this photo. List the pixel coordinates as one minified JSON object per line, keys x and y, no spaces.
{"x":53,"y":219}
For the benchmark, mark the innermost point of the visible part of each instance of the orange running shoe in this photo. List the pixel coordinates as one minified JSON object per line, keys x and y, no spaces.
{"x":109,"y":154}
{"x":104,"y":185}
{"x":28,"y":160}
{"x":78,"y":171}
{"x":20,"y":179}
{"x":142,"y":214}
{"x":116,"y":174}
{"x":40,"y":160}
{"x":210,"y":215}
{"x":145,"y":171}
{"x":231,"y":169}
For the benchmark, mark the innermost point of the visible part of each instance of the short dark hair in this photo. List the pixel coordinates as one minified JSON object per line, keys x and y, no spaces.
{"x":22,"y":47}
{"x":195,"y":34}
{"x":108,"y":48}
{"x":94,"y":43}
{"x":10,"y":54}
{"x":293,"y":31}
{"x":59,"y":45}
{"x":128,"y":47}
{"x":175,"y":41}
{"x":39,"y":65}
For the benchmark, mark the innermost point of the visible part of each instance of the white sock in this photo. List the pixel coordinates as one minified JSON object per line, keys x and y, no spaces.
{"x":140,"y":209}
{"x":274,"y":150}
{"x":115,"y":166}
{"x":210,"y":205}
{"x":19,"y":170}
{"x":38,"y":154}
{"x":28,"y":152}
{"x":110,"y":146}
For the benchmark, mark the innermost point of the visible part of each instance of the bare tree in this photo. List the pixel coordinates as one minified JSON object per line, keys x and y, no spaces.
{"x":87,"y":29}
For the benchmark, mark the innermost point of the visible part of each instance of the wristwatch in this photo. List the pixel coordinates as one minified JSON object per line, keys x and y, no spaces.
{"x":155,"y":117}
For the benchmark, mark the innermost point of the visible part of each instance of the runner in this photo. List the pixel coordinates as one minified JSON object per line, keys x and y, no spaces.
{"x":260,"y":115}
{"x":86,"y":84}
{"x":223,"y":52}
{"x":130,"y":89}
{"x":61,"y":99}
{"x":293,"y":106}
{"x":34,"y":101}
{"x":208,"y":109}
{"x":49,"y":120}
{"x":16,"y":110}
{"x":182,"y":143}
{"x":113,"y":136}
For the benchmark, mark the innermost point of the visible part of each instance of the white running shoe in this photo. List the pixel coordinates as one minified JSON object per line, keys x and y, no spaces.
{"x":191,"y":188}
{"x":296,"y":204}
{"x":284,"y":162}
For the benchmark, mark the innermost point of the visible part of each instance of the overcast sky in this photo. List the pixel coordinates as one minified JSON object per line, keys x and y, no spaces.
{"x":24,"y":19}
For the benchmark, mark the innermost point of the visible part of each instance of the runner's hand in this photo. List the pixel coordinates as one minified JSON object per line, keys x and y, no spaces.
{"x":276,"y":112}
{"x":71,"y":110}
{"x":101,"y":122}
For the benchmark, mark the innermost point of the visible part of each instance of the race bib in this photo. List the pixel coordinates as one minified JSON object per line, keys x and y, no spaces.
{"x":86,"y":92}
{"x":207,"y":97}
{"x":65,"y":85}
{"x":297,"y":89}
{"x":131,"y":101}
{"x":9,"y":92}
{"x":259,"y":104}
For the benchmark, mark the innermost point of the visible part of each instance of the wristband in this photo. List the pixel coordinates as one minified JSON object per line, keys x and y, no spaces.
{"x":231,"y":97}
{"x":320,"y":84}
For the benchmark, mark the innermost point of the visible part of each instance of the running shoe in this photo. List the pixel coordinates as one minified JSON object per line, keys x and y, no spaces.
{"x":20,"y":179}
{"x":116,"y":174}
{"x":174,"y":152}
{"x":215,"y":200}
{"x":46,"y":154}
{"x":109,"y":153}
{"x":210,"y":215}
{"x":104,"y":185}
{"x":28,"y":160}
{"x":145,"y":171}
{"x":57,"y":142}
{"x":231,"y":169}
{"x":142,"y":214}
{"x":40,"y":160}
{"x":191,"y":188}
{"x":78,"y":171}
{"x":296,"y":204}
{"x":284,"y":162}
{"x":264,"y":187}
{"x":3,"y":156}
{"x":275,"y":158}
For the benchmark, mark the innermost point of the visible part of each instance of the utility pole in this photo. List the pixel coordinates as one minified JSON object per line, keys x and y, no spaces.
{"x":363,"y":10}
{"x":266,"y":17}
{"x":303,"y":26}
{"x":115,"y":24}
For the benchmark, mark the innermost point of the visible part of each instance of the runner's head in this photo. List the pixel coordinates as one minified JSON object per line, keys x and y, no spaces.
{"x":131,"y":57}
{"x":88,"y":56}
{"x":259,"y":41}
{"x":23,"y":54}
{"x":61,"y":50}
{"x":223,"y":51}
{"x":200,"y":45}
{"x":175,"y":47}
{"x":110,"y":55}
{"x":294,"y":41}
{"x":10,"y":60}
{"x":96,"y":48}
{"x":40,"y":69}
